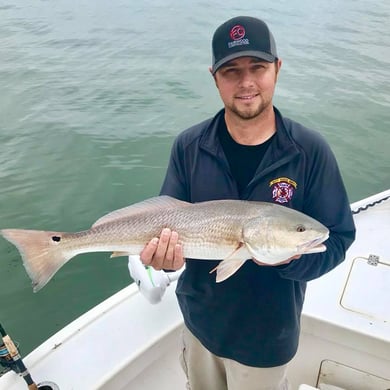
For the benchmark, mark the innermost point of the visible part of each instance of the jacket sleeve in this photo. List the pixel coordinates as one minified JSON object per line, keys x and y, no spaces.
{"x":325,"y":200}
{"x":174,"y":183}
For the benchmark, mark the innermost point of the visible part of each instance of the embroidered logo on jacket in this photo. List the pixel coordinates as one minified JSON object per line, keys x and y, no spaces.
{"x":282,"y":189}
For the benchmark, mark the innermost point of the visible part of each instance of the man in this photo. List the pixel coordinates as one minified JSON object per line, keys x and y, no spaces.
{"x":241,"y":333}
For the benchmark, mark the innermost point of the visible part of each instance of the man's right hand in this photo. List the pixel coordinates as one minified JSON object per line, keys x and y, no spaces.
{"x":164,"y":253}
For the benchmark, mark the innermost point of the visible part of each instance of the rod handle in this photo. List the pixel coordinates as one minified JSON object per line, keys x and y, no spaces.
{"x":9,"y":344}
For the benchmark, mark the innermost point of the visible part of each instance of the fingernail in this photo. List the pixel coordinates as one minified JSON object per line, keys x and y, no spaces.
{"x":166,"y":231}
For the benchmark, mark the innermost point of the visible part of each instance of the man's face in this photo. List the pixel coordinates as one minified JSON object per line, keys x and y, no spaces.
{"x":246,"y":86}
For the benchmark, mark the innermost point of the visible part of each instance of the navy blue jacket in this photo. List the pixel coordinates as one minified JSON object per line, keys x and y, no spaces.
{"x":254,"y":316}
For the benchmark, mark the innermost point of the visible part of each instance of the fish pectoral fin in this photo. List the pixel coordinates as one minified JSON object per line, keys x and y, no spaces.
{"x":227,"y":268}
{"x":231,"y":264}
{"x":119,"y":254}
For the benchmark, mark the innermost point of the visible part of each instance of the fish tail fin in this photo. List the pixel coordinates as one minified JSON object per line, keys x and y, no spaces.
{"x":41,"y":252}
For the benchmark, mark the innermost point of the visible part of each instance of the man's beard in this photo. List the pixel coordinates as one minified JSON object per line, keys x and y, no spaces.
{"x":249,"y":112}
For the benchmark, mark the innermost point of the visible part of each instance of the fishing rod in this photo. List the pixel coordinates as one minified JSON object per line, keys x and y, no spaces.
{"x":10,"y":357}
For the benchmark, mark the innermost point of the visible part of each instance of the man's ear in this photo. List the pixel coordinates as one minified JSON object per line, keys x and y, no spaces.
{"x":278,"y":65}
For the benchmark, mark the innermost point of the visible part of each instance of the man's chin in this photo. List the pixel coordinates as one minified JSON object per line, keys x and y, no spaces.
{"x":248,"y":114}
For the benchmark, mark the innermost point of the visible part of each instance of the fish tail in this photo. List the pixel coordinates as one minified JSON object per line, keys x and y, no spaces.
{"x":41,"y":251}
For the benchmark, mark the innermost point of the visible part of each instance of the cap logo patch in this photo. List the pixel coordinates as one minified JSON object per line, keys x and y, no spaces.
{"x":237,"y":34}
{"x":282,"y":189}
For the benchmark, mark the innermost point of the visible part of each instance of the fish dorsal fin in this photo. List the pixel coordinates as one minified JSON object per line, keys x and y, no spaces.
{"x":163,"y":202}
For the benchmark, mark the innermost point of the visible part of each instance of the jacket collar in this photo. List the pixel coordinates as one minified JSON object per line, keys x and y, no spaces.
{"x":282,"y":145}
{"x":282,"y":149}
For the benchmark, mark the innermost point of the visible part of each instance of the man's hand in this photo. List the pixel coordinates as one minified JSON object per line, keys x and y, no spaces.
{"x":281,"y":263}
{"x":164,"y":252}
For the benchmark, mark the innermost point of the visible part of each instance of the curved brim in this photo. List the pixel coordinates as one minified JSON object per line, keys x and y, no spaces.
{"x":244,"y":53}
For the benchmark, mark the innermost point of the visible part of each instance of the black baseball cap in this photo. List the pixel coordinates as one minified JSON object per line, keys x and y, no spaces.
{"x":242,"y":36}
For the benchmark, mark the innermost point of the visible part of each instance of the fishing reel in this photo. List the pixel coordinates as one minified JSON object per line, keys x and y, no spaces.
{"x":151,"y":283}
{"x":6,"y":360}
{"x":10,"y":359}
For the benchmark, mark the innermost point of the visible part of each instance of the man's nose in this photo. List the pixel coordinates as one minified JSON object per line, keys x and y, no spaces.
{"x":246,"y":77}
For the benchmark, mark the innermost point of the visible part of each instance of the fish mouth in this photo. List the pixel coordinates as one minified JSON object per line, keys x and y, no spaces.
{"x":313,"y":246}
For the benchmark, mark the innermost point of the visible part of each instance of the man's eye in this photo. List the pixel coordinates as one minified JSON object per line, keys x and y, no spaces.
{"x":259,"y":67}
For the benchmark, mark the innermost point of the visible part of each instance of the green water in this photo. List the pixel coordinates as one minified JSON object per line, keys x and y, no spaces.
{"x":93,"y":93}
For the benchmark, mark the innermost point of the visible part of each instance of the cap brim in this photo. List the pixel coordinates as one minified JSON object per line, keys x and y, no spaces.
{"x":245,"y":53}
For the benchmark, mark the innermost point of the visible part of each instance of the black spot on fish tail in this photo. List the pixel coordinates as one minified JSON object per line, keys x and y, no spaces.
{"x":56,"y":238}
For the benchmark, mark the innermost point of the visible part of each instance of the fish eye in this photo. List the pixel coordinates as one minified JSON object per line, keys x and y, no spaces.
{"x":300,"y":228}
